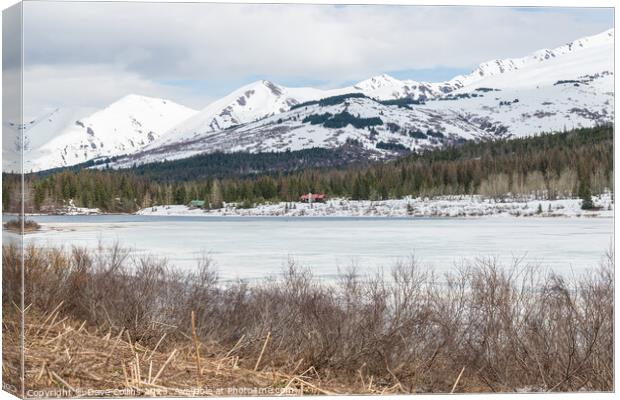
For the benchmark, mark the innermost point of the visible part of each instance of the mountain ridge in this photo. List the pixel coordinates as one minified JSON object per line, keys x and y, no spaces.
{"x":382,"y":87}
{"x":122,"y":127}
{"x":484,"y":98}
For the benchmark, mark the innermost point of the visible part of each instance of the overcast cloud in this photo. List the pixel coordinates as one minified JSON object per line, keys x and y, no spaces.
{"x":90,"y":54}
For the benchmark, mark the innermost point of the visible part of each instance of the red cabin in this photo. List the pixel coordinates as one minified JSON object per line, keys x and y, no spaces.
{"x":312,"y":198}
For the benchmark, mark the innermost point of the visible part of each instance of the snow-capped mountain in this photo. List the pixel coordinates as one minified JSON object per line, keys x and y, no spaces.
{"x":36,"y":133}
{"x":62,"y":138}
{"x":371,"y":127}
{"x":246,"y":104}
{"x":262,"y":99}
{"x":380,"y":129}
{"x":602,"y":41}
{"x":551,"y":89}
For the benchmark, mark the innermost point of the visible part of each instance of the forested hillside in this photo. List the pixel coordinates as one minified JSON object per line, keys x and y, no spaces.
{"x":221,"y":165}
{"x":547,"y":166}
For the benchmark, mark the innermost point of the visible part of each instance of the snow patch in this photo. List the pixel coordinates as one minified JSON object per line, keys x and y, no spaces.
{"x":445,"y":206}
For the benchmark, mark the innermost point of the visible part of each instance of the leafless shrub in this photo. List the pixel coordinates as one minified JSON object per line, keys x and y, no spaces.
{"x":499,"y":328}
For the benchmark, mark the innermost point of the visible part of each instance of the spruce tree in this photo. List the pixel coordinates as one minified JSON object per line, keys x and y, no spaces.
{"x":586,"y":196}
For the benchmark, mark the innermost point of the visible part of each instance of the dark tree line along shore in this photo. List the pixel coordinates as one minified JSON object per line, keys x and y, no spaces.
{"x":549,"y":166}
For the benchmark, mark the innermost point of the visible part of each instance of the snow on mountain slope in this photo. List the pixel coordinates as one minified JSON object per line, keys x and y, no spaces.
{"x":385,"y":87}
{"x":11,"y":147}
{"x":599,"y":46}
{"x":550,"y":90}
{"x":381,"y":131}
{"x":123,"y":127}
{"x":248,"y":103}
{"x":264,"y":98}
{"x":40,"y":130}
{"x":36,"y":132}
{"x":526,"y":111}
{"x":572,"y":88}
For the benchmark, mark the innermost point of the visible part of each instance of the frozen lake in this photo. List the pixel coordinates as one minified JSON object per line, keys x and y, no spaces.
{"x":255,"y":247}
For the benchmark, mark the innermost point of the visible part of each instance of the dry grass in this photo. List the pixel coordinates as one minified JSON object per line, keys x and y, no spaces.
{"x":484,"y":328}
{"x":64,"y":357}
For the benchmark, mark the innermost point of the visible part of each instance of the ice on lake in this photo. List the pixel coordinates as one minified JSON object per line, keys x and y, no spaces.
{"x":250,"y":248}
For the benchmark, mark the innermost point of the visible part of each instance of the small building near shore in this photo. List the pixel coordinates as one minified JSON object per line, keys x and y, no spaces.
{"x":196,"y":204}
{"x":313,"y":198}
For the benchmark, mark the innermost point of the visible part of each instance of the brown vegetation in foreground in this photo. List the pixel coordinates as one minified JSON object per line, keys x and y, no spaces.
{"x":66,"y":358}
{"x":103,"y":320}
{"x":15,"y":225}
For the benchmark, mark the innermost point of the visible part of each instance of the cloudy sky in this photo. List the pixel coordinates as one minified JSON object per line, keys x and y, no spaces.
{"x":91,"y":54}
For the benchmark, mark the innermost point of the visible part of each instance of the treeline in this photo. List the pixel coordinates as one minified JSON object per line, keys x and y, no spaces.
{"x":221,"y":165}
{"x":342,"y":119}
{"x":331,"y":101}
{"x":547,"y":166}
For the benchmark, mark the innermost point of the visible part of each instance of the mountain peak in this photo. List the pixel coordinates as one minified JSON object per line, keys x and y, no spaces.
{"x":377,"y":81}
{"x":385,"y":78}
{"x":137,"y":98}
{"x":125,"y":126}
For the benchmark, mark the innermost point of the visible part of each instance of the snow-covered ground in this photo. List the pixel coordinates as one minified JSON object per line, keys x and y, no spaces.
{"x":452,"y":206}
{"x":71,"y":209}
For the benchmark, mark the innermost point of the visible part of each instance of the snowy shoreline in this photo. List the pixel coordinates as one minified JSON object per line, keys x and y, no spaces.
{"x":72,"y":209}
{"x":444,"y":206}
